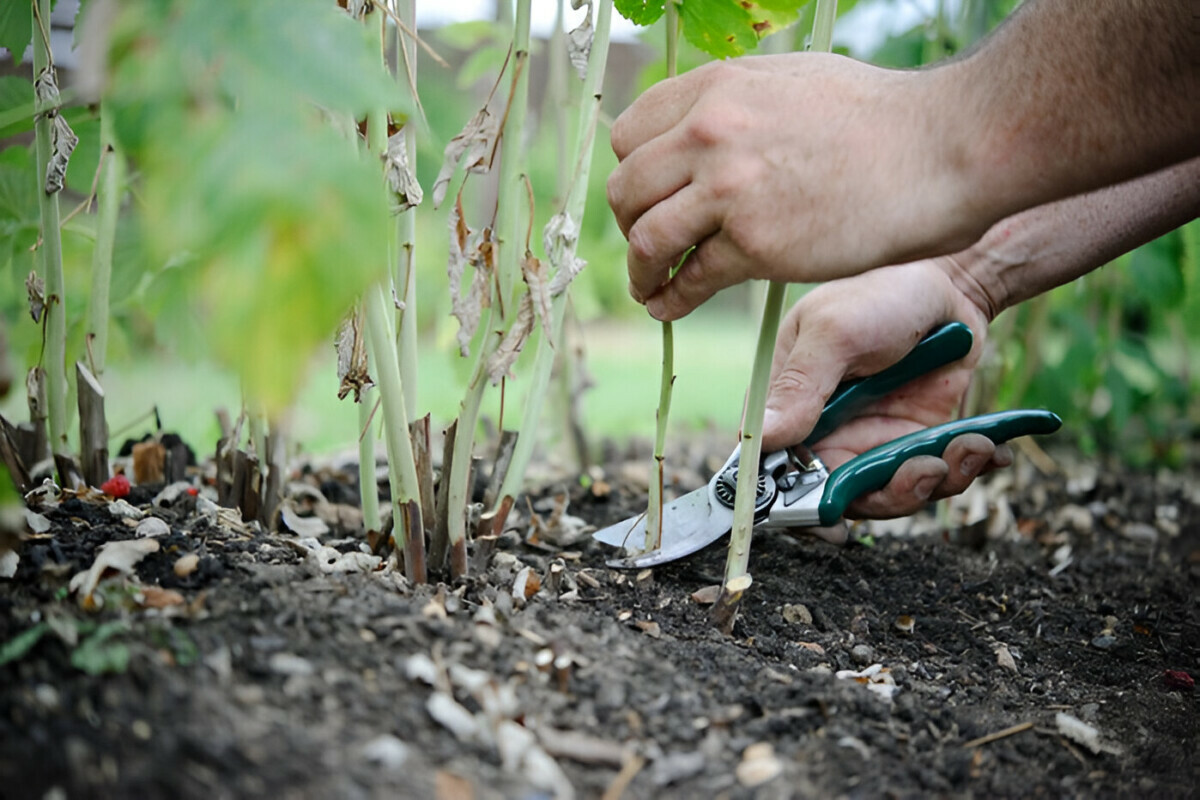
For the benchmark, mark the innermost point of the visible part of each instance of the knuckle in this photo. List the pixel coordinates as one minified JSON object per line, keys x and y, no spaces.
{"x":642,"y":243}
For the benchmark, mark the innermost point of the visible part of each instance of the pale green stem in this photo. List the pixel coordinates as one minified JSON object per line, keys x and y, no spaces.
{"x":555,"y":106}
{"x":574,"y":207}
{"x":402,"y":470}
{"x":368,"y":433}
{"x":385,"y":359}
{"x":55,"y":357}
{"x":654,"y":503}
{"x":108,"y":207}
{"x":509,"y":215}
{"x":756,"y":400}
{"x":405,"y":273}
{"x":738,"y":560}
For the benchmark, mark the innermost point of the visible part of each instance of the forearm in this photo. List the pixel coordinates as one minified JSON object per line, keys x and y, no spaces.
{"x":1044,"y":247}
{"x":1072,"y":95}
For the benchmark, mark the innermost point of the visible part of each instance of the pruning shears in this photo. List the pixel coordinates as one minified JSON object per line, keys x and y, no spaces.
{"x":795,"y":489}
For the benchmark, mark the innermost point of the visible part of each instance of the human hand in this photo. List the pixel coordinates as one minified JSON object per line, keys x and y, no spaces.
{"x":859,"y":326}
{"x":795,"y":167}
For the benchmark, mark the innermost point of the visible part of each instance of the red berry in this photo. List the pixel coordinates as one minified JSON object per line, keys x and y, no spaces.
{"x":1178,"y":680}
{"x":116,"y":487}
{"x":193,"y":491}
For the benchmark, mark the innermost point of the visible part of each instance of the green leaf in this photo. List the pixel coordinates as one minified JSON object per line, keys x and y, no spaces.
{"x":16,"y":648}
{"x":81,"y":169}
{"x":97,"y":655}
{"x":16,"y":27}
{"x":16,"y":105}
{"x":726,"y":28}
{"x":640,"y":12}
{"x":276,"y":222}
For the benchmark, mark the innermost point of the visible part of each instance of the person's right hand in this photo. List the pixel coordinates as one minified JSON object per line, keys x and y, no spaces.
{"x":794,"y":167}
{"x":859,"y":326}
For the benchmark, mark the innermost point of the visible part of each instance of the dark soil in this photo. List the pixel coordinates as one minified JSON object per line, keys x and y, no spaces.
{"x":274,"y":678}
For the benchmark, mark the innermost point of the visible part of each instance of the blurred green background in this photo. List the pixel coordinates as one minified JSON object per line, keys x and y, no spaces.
{"x":1114,"y":354}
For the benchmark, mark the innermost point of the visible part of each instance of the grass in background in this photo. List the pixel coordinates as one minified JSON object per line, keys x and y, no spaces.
{"x":713,"y":355}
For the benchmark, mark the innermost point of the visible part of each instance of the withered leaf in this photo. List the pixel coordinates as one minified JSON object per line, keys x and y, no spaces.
{"x":64,"y":141}
{"x":473,"y":146}
{"x":536,"y":278}
{"x":352,"y":370}
{"x":477,"y":250}
{"x":514,"y":340}
{"x":559,"y":239}
{"x":35,"y":287}
{"x":579,"y":41}
{"x":399,"y":174}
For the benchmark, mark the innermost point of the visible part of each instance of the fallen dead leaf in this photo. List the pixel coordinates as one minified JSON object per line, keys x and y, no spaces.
{"x":119,"y":556}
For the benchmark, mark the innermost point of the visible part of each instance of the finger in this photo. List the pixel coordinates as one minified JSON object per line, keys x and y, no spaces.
{"x":834,"y":534}
{"x":966,"y":457}
{"x":909,"y":490}
{"x":656,"y":111}
{"x":659,"y":239}
{"x":714,"y":265}
{"x":650,"y":174}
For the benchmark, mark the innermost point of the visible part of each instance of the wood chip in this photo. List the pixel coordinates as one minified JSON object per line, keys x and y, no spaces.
{"x":186,"y":565}
{"x":708,"y":595}
{"x":448,"y":786}
{"x":649,"y":627}
{"x":992,"y":737}
{"x":158,"y":597}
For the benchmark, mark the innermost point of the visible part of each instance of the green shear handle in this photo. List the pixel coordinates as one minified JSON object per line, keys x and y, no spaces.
{"x":874,"y":468}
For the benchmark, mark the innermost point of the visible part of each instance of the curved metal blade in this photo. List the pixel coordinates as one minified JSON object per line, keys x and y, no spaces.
{"x":690,"y":523}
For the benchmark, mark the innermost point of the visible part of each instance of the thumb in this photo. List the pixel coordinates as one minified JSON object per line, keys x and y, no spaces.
{"x":795,"y":400}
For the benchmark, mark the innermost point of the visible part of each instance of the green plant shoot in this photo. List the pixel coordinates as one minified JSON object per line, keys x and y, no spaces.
{"x":737,"y":577}
{"x":54,"y":142}
{"x":560,"y":249}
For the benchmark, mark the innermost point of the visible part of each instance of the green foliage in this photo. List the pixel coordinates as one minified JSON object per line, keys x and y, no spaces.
{"x":19,"y":646}
{"x":272,"y":221}
{"x":721,"y":28}
{"x":99,"y":654}
{"x":16,"y":26}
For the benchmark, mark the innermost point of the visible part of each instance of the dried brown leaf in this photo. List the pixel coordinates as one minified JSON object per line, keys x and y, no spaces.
{"x":473,"y":146}
{"x":468,"y":247}
{"x":63,"y":144}
{"x":559,"y":239}
{"x":514,"y":340}
{"x":35,"y":287}
{"x":536,"y":278}
{"x":352,"y":371}
{"x":579,"y":41}
{"x":121,"y":556}
{"x":399,"y":175}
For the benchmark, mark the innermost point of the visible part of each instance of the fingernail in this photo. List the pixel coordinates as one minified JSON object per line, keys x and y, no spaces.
{"x":970,"y":465}
{"x":656,"y":307}
{"x":925,"y":487}
{"x":770,"y":420}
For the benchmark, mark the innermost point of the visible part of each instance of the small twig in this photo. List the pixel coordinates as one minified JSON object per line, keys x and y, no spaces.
{"x":992,"y":737}
{"x":87,"y":201}
{"x":1044,"y":463}
{"x":407,"y":31}
{"x":620,"y":783}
